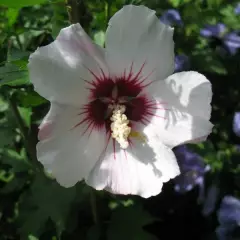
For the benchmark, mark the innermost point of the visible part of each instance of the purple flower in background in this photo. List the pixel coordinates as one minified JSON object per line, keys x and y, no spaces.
{"x":192,"y":169}
{"x":171,"y":17}
{"x":236,"y":124}
{"x":182,"y":63}
{"x":216,"y":30}
{"x":232,"y":42}
{"x":237,"y":9}
{"x":228,"y":217}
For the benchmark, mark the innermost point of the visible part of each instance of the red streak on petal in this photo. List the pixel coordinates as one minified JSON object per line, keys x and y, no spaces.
{"x":90,"y":126}
{"x":95,"y":76}
{"x":103,"y":74}
{"x":128,"y":78}
{"x":83,"y":121}
{"x":137,"y":76}
{"x":147,"y":78}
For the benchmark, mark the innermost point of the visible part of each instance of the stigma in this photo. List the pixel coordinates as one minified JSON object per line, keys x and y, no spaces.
{"x":120,"y":125}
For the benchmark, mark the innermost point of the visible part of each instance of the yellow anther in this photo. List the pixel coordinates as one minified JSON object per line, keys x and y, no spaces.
{"x":137,"y":135}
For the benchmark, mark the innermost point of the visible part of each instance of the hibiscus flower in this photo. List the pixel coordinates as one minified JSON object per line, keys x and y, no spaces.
{"x":117,"y":112}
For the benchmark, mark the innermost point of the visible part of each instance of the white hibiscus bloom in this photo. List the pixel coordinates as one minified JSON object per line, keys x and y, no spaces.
{"x":117,"y":112}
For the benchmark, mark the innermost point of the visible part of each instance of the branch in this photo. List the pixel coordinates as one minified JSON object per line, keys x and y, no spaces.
{"x":78,"y":12}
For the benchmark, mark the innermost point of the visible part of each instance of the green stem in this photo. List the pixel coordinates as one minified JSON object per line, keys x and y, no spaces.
{"x":94,"y":206}
{"x":28,"y":143}
{"x":107,"y":11}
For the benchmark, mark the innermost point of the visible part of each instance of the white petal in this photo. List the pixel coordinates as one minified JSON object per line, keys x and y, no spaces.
{"x":191,"y":91}
{"x":59,"y":69}
{"x":187,"y":91}
{"x":136,"y":35}
{"x":64,"y":150}
{"x":139,"y":170}
{"x":184,"y":109}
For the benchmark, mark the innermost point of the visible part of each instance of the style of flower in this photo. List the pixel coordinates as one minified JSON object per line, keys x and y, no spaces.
{"x":228,"y":217}
{"x":171,"y":17}
{"x":181,"y":63}
{"x":236,"y":124}
{"x":117,"y":112}
{"x":192,"y":169}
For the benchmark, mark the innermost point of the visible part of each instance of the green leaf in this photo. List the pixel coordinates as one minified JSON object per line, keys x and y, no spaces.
{"x":217,"y":67}
{"x":12,"y":15}
{"x":3,"y":104}
{"x":18,"y":165}
{"x":7,"y":135}
{"x":99,"y":38}
{"x":15,"y":55}
{"x":59,"y":19}
{"x":26,"y":115}
{"x":13,"y":75}
{"x":46,"y":199}
{"x":30,"y":237}
{"x":214,"y":3}
{"x":15,"y":161}
{"x":127,"y":222}
{"x":209,"y":154}
{"x":28,"y":99}
{"x":21,"y":3}
{"x":175,"y":3}
{"x":14,"y":185}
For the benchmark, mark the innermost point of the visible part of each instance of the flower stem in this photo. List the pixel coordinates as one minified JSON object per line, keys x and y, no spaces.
{"x":94,"y":206}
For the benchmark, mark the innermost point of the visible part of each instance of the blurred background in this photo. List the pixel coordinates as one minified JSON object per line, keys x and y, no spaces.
{"x":203,"y":203}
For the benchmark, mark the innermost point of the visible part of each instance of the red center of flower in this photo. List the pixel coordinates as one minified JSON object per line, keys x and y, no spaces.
{"x":126,"y":90}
